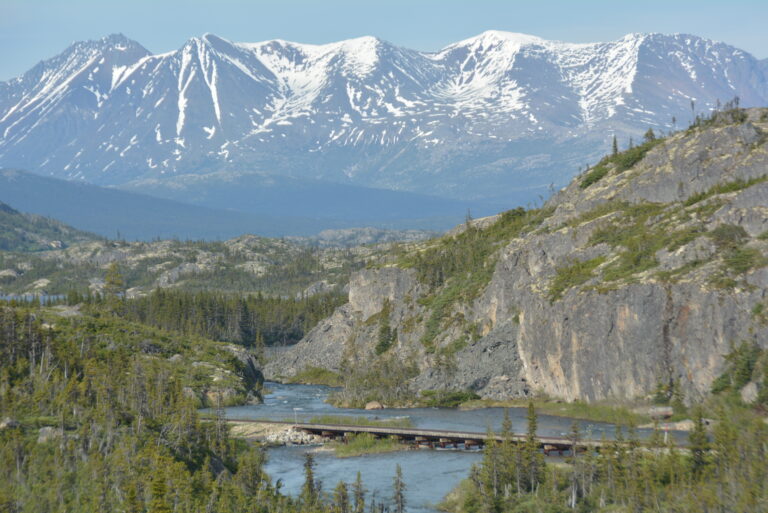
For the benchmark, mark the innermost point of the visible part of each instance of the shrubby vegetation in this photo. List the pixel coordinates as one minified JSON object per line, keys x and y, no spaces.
{"x":446,"y":398}
{"x":467,"y":254}
{"x":365,"y":443}
{"x":317,"y":376}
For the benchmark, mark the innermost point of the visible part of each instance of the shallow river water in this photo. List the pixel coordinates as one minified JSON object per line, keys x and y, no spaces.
{"x":429,"y":474}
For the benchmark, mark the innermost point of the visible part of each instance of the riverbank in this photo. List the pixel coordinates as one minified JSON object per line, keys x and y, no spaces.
{"x":597,"y":412}
{"x":634,"y":413}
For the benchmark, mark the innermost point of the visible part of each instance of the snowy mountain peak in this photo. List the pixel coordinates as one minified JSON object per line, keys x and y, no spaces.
{"x":111,"y":43}
{"x":460,"y":121}
{"x":496,"y":37}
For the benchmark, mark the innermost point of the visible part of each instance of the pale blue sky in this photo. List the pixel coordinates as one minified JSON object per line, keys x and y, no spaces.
{"x":32,"y":30}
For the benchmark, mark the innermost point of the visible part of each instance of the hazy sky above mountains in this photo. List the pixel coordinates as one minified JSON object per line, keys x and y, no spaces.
{"x":32,"y":30}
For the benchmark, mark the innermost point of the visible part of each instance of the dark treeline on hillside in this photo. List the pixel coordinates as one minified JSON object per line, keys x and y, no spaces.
{"x":252,"y":321}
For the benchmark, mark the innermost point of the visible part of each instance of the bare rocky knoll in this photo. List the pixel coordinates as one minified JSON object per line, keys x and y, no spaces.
{"x":646,"y":270}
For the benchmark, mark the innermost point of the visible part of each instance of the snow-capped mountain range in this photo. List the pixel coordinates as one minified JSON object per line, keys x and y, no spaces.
{"x":481,"y":118}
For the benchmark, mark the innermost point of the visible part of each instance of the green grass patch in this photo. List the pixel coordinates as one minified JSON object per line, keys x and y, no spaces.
{"x":723,"y":188}
{"x":597,"y":412}
{"x":741,"y":260}
{"x":760,"y":312}
{"x":728,"y":236}
{"x":365,"y":443}
{"x":642,"y":230}
{"x":446,"y":398}
{"x":594,"y":175}
{"x":317,"y":376}
{"x":572,"y":275}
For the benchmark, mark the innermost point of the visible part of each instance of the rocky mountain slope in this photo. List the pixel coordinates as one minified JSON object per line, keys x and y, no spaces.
{"x":487,"y":117}
{"x":644,"y":271}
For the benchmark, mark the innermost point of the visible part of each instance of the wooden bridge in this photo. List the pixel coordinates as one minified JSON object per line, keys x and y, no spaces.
{"x":429,"y":437}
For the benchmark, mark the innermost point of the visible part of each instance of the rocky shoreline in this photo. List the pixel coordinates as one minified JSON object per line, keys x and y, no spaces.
{"x":273,"y":434}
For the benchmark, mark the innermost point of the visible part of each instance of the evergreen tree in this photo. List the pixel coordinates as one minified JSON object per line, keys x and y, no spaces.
{"x":358,"y":494}
{"x":698,"y":443}
{"x":159,"y":503}
{"x":398,"y":490}
{"x":488,"y":476}
{"x":532,"y":459}
{"x":309,"y":492}
{"x":509,"y":455}
{"x":132,"y":503}
{"x":615,"y":147}
{"x":575,"y":467}
{"x":114,"y":284}
{"x":114,"y":287}
{"x":341,"y":498}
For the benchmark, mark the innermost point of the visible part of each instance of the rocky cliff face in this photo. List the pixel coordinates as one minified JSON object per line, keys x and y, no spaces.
{"x":645,"y":270}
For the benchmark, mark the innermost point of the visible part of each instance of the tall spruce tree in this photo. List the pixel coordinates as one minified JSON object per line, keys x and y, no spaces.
{"x":309,"y":489}
{"x":398,"y":490}
{"x":358,"y":494}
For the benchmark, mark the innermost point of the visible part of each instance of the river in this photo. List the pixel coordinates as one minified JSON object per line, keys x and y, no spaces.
{"x":429,"y":474}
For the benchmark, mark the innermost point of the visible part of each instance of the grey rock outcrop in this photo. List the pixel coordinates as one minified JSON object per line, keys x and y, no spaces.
{"x":749,"y":393}
{"x":47,"y":433}
{"x":251,"y":371}
{"x":617,"y":331}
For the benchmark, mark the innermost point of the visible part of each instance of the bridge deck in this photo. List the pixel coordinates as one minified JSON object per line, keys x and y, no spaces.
{"x":428,"y":435}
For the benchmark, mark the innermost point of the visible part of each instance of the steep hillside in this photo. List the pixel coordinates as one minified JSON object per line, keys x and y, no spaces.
{"x":27,"y":232}
{"x":486,"y":117}
{"x":642,"y":273}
